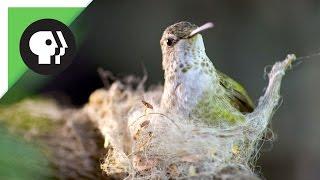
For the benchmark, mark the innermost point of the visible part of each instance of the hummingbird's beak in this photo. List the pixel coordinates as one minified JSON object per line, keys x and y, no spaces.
{"x":206,"y":26}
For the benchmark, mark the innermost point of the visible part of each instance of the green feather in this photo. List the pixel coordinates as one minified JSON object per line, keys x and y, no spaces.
{"x":236,"y":92}
{"x":226,"y":105}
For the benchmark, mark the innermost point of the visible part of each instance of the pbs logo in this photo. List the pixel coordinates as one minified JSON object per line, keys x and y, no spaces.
{"x":47,"y":46}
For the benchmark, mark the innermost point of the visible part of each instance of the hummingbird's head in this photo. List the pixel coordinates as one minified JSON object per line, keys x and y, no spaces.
{"x":182,"y":42}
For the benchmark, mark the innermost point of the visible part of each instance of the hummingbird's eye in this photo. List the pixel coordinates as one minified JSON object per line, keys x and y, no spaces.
{"x":170,"y":41}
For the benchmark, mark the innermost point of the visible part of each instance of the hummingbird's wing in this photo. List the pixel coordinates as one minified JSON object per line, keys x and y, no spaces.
{"x":238,"y":96}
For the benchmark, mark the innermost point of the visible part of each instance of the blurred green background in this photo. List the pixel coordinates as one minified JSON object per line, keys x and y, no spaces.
{"x":123,"y":36}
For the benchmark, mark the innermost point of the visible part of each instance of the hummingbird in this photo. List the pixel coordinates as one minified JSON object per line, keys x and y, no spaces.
{"x":193,"y":87}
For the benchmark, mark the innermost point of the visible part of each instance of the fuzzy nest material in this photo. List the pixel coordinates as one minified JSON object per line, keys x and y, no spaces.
{"x":140,"y":140}
{"x":145,"y":143}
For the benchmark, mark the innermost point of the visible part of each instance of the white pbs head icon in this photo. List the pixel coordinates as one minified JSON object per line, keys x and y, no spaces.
{"x":44,"y":45}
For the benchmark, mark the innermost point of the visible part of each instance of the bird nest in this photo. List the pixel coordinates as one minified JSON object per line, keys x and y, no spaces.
{"x":144,"y":142}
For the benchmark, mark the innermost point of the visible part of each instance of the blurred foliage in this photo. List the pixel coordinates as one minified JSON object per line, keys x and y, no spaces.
{"x":21,"y":160}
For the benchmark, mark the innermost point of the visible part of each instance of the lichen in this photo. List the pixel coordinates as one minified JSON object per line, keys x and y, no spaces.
{"x":21,"y":117}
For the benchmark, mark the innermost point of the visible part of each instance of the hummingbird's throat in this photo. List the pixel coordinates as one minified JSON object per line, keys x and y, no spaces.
{"x":189,"y":60}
